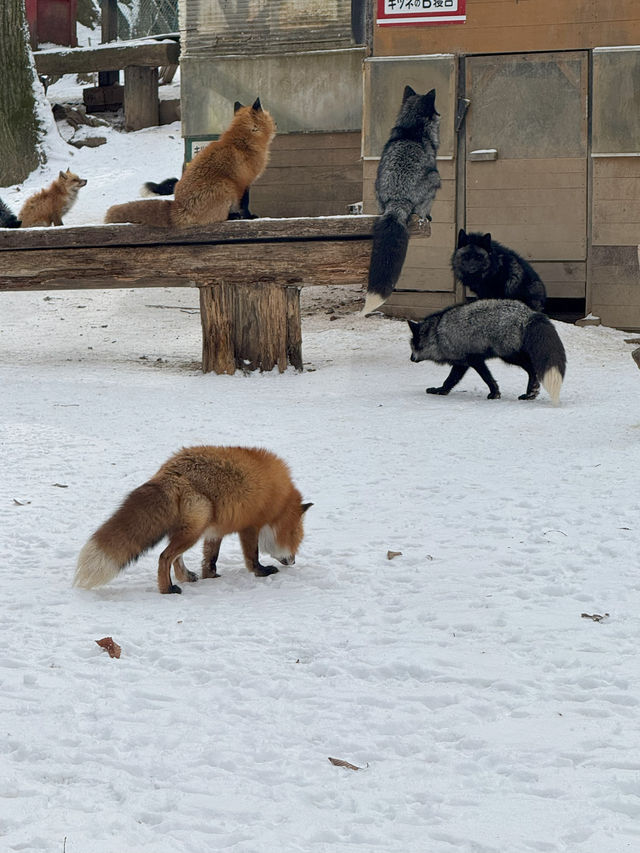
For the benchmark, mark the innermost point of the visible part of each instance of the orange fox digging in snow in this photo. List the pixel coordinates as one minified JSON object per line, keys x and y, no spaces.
{"x":201,"y":491}
{"x":48,"y":206}
{"x":214,"y":184}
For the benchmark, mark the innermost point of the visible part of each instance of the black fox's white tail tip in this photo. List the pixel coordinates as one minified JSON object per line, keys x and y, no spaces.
{"x":552,"y":383}
{"x":95,"y":567}
{"x":372,"y":302}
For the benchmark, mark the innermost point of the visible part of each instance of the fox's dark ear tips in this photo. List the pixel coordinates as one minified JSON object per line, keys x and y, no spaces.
{"x":305,"y":507}
{"x":462,"y":238}
{"x":237,"y":106}
{"x":413,"y":325}
{"x":257,"y":105}
{"x":408,"y":92}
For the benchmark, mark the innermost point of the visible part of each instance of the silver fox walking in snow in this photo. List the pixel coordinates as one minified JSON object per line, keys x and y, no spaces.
{"x":406,"y":184}
{"x":465,"y":336}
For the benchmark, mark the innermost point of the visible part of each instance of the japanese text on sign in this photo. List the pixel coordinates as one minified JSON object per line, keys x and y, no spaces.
{"x":421,"y":12}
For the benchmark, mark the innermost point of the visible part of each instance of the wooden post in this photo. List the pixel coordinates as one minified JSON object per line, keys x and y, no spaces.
{"x":249,"y":327}
{"x":109,"y":27}
{"x":141,"y":102}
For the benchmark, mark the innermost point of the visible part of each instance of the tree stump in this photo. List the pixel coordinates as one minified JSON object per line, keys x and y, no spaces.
{"x":250,"y":327}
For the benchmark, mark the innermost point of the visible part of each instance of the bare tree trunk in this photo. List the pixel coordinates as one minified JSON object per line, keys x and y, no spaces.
{"x":19,"y":126}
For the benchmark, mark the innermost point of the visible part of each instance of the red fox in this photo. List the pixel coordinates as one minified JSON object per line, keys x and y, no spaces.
{"x":201,"y":491}
{"x":48,"y":206}
{"x":215,"y":183}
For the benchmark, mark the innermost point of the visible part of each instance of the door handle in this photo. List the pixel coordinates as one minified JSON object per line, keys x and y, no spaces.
{"x":483,"y":154}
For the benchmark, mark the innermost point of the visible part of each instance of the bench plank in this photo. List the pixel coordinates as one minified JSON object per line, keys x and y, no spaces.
{"x":248,"y":271}
{"x":231,"y":231}
{"x":113,"y":56}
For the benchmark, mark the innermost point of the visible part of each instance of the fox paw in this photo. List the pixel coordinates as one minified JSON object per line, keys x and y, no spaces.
{"x":263,"y":571}
{"x":172,"y":589}
{"x":530,"y":394}
{"x":494,"y":395}
{"x":442,"y":390}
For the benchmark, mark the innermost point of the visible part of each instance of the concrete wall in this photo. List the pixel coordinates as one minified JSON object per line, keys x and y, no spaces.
{"x":311,"y":91}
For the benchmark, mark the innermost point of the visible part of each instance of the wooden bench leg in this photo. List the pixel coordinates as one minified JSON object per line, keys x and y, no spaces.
{"x":250,"y":327}
{"x":141,"y":102}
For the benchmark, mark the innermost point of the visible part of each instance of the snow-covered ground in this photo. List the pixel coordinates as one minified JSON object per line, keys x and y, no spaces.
{"x":486,"y":711}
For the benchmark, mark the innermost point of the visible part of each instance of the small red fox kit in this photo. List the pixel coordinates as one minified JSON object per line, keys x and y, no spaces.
{"x":214,"y":184}
{"x":201,"y":491}
{"x":48,"y":206}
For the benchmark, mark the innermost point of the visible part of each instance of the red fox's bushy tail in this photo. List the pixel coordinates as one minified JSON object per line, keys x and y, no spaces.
{"x":147,"y":212}
{"x":388,"y":252}
{"x":546,"y":351}
{"x":143,"y":518}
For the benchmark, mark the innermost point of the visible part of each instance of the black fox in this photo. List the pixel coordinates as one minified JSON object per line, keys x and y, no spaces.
{"x":492,"y":271}
{"x":406,"y":184}
{"x":465,"y":336}
{"x":7,"y":218}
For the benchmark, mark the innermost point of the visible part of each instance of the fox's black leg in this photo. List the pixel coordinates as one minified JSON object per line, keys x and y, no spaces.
{"x":533,"y":385}
{"x":533,"y":388}
{"x":481,"y":368}
{"x":249,"y":543}
{"x":243,"y":212}
{"x":210,"y":551}
{"x":457,"y":372}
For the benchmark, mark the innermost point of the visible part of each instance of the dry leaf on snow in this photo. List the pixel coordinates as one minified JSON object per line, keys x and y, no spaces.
{"x":596,"y":617}
{"x":340,"y":763}
{"x":108,"y":644}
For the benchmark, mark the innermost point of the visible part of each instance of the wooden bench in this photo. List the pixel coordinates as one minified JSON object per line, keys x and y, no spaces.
{"x":140,"y":61}
{"x":249,"y":273}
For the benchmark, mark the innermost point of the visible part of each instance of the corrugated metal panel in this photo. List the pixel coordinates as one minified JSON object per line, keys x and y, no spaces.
{"x":222,"y":27}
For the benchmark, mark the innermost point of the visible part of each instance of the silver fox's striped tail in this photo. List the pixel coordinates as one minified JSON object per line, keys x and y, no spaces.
{"x":544,"y":347}
{"x":389,"y":249}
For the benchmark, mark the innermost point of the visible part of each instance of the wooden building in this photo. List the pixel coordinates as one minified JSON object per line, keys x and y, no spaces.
{"x":52,"y":21}
{"x":540,"y":127}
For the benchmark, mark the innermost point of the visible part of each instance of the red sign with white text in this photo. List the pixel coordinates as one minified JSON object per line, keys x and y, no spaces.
{"x":414,"y":12}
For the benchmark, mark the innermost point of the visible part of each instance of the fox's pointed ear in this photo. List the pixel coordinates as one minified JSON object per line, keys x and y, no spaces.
{"x":430,"y":101}
{"x":413,"y":326}
{"x":304,"y":508}
{"x":486,"y":242}
{"x":462,"y":238}
{"x":408,"y":92}
{"x":257,"y":105}
{"x":63,"y":174}
{"x":237,"y":106}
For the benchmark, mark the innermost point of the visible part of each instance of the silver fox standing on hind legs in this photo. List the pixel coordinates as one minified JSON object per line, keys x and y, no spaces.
{"x":465,"y":336}
{"x":406,"y":184}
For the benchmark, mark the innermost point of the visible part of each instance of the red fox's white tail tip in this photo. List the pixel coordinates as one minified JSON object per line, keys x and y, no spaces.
{"x":372,"y":302}
{"x":552,"y":383}
{"x":95,"y":568}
